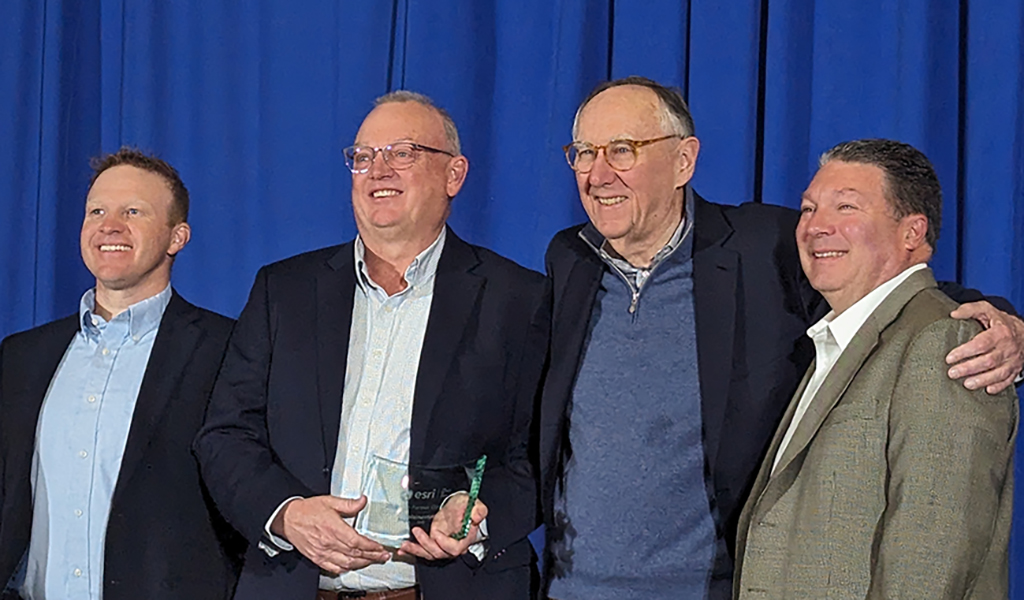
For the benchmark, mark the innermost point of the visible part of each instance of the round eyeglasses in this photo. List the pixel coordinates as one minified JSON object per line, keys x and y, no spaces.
{"x":620,"y":154}
{"x":398,"y":156}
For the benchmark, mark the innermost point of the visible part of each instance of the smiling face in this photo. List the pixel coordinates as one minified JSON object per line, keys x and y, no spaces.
{"x":849,"y":240}
{"x":636,"y":210}
{"x":128,"y":242}
{"x":410,"y":205}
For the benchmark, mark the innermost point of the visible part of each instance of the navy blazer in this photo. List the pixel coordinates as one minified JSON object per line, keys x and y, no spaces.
{"x":164,"y":538}
{"x":272,"y":429}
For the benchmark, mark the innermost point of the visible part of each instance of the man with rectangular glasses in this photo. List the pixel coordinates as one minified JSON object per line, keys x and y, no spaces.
{"x":404,"y":352}
{"x":677,"y":341}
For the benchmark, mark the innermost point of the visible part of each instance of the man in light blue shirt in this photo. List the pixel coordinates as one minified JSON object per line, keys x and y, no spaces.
{"x":101,"y":497}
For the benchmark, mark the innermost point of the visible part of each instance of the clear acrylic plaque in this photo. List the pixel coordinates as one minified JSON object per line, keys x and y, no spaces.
{"x":400,"y":497}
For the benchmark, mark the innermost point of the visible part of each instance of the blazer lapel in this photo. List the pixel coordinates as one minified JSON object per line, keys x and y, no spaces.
{"x":767,"y":464}
{"x":754,"y":500}
{"x":850,"y":362}
{"x":714,"y":283}
{"x":572,"y":310}
{"x":768,"y":486}
{"x":456,"y":292}
{"x":22,"y":417}
{"x":39,"y":353}
{"x":574,"y":305}
{"x":175,"y":342}
{"x":335,"y":288}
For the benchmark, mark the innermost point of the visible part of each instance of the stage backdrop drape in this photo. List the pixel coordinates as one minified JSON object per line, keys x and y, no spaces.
{"x":253,"y":100}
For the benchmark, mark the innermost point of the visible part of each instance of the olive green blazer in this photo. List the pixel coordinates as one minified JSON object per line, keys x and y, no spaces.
{"x":898,"y":481}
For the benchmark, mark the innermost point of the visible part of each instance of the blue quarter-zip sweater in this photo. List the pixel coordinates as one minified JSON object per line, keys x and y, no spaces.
{"x":634,"y":510}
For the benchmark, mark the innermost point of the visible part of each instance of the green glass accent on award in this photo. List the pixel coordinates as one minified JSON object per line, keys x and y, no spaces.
{"x":474,"y":492}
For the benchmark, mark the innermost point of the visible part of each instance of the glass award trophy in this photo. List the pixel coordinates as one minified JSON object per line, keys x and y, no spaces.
{"x":400,"y":497}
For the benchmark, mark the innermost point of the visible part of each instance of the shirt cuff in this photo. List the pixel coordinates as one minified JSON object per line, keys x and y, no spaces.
{"x":281,"y":543}
{"x":477,"y":548}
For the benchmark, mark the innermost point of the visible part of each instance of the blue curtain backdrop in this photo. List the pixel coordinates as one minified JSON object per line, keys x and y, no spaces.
{"x":253,"y":100}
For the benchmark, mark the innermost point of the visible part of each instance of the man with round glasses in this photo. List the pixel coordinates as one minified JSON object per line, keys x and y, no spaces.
{"x":620,"y":154}
{"x":402,"y":351}
{"x":660,"y":402}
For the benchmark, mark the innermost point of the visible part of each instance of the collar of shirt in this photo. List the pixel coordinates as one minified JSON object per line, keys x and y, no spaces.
{"x":600,"y":245}
{"x":142,"y":317}
{"x":831,"y":335}
{"x":420,"y":272}
{"x":844,"y":326}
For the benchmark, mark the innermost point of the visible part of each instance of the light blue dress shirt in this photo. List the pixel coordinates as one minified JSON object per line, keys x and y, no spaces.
{"x":385,"y":342}
{"x":80,"y":438}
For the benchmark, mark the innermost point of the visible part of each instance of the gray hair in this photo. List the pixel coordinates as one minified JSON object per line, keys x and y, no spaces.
{"x":911,"y":185}
{"x":451,"y":133}
{"x":674,"y":116}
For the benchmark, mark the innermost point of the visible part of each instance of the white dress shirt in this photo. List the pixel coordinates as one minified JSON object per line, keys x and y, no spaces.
{"x":831,"y":335}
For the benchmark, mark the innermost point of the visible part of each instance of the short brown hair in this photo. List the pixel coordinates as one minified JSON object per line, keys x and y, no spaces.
{"x":912,"y":187}
{"x":147,"y":162}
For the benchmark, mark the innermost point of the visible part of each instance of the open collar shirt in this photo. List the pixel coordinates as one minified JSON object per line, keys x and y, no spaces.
{"x":831,"y":335}
{"x":636,"y":277}
{"x":80,"y":439}
{"x":384,"y":349}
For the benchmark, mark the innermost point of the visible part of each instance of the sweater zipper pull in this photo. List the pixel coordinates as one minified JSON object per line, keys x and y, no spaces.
{"x":633,"y":303}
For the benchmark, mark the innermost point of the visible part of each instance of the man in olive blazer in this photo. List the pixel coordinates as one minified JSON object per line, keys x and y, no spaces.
{"x":890,"y":480}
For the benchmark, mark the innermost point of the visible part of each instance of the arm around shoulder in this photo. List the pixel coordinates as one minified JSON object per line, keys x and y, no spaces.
{"x":945,"y":530}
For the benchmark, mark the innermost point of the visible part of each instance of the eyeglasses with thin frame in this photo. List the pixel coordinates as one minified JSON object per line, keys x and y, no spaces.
{"x":619,"y":154}
{"x":398,"y":156}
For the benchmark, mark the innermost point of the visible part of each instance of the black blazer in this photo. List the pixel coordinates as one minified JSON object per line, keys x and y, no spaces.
{"x":272,"y":429}
{"x":164,"y":539}
{"x":753,"y":306}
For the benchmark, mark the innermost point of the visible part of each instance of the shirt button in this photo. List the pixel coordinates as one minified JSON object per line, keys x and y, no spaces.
{"x":78,"y":512}
{"x":77,"y":572}
{"x":95,"y":321}
{"x":135,"y":338}
{"x":377,"y":354}
{"x":83,"y":453}
{"x":92,"y":398}
{"x":106,"y":351}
